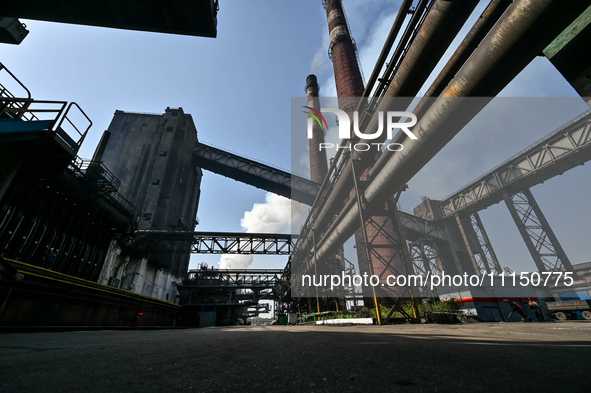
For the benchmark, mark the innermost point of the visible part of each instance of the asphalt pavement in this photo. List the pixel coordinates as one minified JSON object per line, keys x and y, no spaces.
{"x":480,"y":357}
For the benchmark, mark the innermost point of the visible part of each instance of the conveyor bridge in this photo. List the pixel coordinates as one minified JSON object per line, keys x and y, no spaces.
{"x":567,"y":147}
{"x":255,"y":173}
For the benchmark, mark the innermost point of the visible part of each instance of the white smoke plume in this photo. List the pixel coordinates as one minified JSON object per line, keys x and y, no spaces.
{"x":235,"y":261}
{"x":273,"y":216}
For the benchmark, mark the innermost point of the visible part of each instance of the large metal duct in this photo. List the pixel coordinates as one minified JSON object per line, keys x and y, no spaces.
{"x":521,"y":34}
{"x":441,"y":25}
{"x":481,"y":28}
{"x":402,"y":12}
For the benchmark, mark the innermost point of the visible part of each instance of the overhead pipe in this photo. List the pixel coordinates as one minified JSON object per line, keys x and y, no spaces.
{"x":402,"y":44}
{"x":441,"y":25}
{"x":481,"y":28}
{"x":402,"y":12}
{"x":523,"y":31}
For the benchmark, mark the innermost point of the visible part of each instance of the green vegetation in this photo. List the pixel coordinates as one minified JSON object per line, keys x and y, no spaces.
{"x":452,"y":305}
{"x":428,"y":305}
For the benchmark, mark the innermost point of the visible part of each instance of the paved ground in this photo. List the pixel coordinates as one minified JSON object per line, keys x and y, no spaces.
{"x":485,"y":357}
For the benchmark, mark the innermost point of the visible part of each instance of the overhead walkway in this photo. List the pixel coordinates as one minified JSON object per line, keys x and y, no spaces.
{"x":255,"y":173}
{"x":567,"y":147}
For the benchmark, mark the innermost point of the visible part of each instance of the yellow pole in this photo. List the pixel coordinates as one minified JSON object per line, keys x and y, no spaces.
{"x":366,"y":241}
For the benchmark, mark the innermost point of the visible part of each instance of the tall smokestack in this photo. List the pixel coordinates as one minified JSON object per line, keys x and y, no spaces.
{"x":318,"y":163}
{"x":384,"y":245}
{"x":342,"y":51}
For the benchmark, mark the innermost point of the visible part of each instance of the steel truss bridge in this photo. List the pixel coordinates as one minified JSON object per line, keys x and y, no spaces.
{"x":215,"y":242}
{"x":567,"y":147}
{"x":235,"y":292}
{"x":564,"y":149}
{"x":234,"y":278}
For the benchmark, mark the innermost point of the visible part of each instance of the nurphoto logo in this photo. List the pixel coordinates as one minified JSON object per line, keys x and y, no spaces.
{"x":393,"y":121}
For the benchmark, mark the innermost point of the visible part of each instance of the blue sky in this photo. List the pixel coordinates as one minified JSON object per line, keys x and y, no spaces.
{"x":238,"y":88}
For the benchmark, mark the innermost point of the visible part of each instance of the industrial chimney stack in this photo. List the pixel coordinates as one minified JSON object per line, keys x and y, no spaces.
{"x":350,"y":87}
{"x":342,"y":51}
{"x":318,"y":163}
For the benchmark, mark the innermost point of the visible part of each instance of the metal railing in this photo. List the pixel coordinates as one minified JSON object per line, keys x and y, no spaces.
{"x":56,"y":112}
{"x":3,"y":91}
{"x":99,"y":172}
{"x":102,"y":180}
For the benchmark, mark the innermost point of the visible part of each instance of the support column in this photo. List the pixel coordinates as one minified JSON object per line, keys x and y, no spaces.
{"x":386,"y":254}
{"x":467,"y":235}
{"x":426,"y":261}
{"x":489,"y":257}
{"x":536,"y":232}
{"x":478,"y":244}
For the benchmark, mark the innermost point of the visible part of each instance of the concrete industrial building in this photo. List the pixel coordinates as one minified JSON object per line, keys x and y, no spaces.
{"x":152,"y":156}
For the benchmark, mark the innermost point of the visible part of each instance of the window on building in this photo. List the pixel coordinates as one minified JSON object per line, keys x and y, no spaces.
{"x":143,"y":128}
{"x":147,"y":216}
{"x":156,"y":182}
{"x":162,"y":154}
{"x":169,"y":129}
{"x":175,"y":113}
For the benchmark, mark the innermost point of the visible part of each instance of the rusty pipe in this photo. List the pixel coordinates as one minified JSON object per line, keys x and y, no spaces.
{"x":404,"y":8}
{"x":441,"y":25}
{"x":523,"y":31}
{"x":481,"y":27}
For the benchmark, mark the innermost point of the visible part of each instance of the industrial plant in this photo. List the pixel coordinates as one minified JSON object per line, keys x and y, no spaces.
{"x":107,"y":241}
